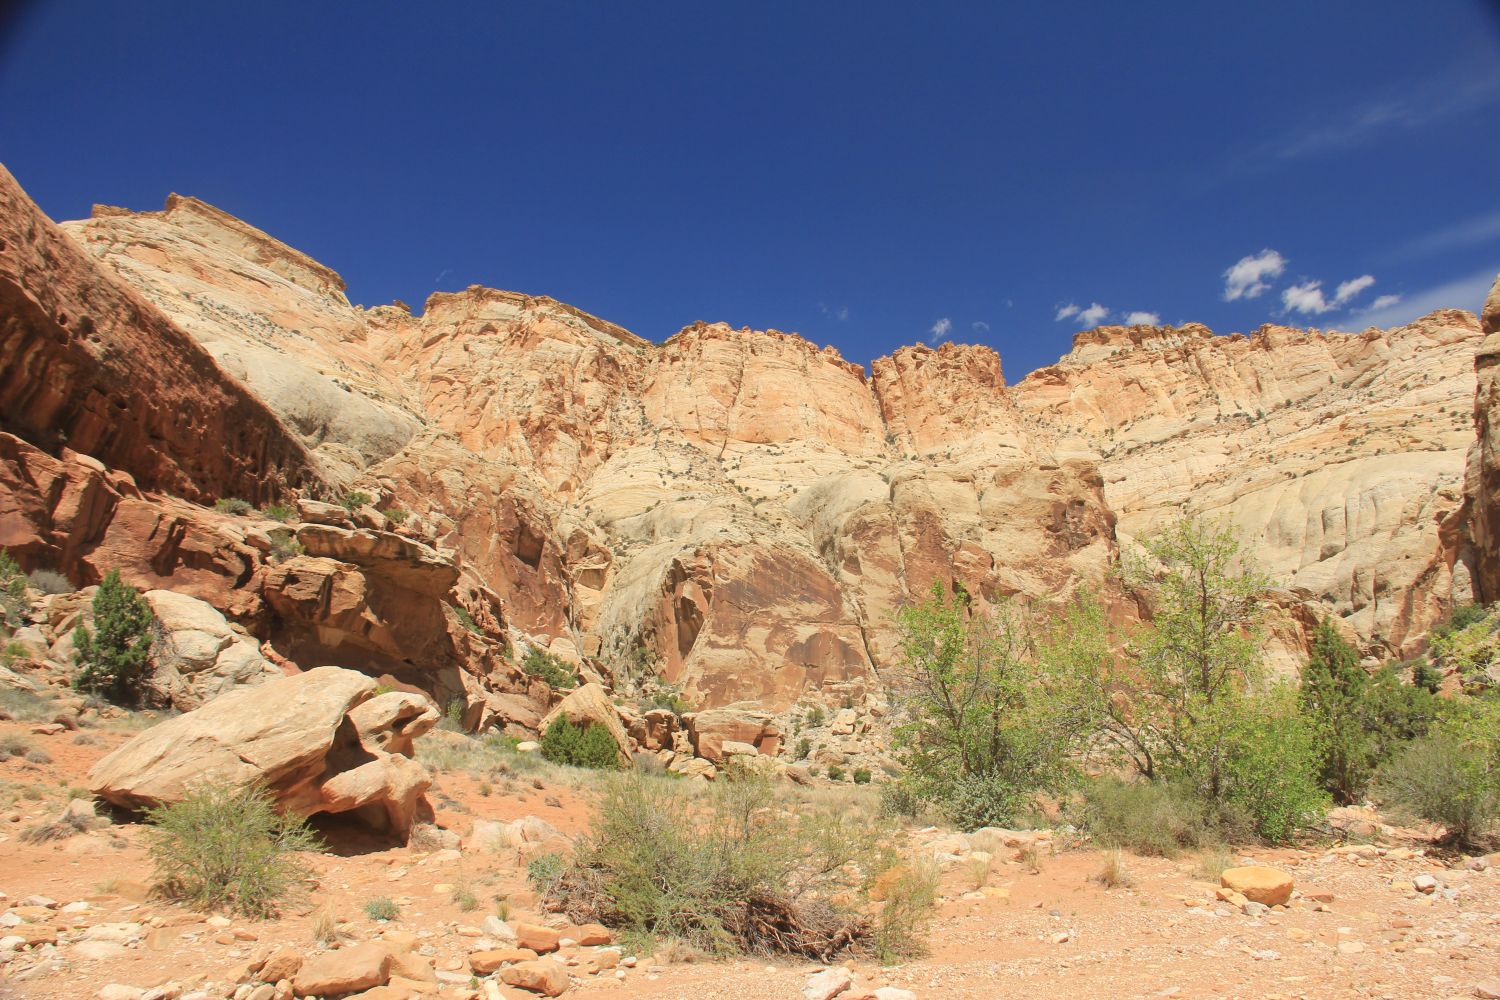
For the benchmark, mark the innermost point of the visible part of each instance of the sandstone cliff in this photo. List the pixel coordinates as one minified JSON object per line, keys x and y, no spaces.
{"x":741,"y":508}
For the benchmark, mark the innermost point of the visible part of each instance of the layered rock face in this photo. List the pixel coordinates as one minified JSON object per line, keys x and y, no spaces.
{"x":1339,"y":457}
{"x":736,"y":510}
{"x":1482,"y":487}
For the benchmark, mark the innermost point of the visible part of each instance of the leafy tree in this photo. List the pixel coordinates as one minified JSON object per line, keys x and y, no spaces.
{"x":1360,"y":719}
{"x":112,"y":657}
{"x":1452,"y":774}
{"x":979,"y":730}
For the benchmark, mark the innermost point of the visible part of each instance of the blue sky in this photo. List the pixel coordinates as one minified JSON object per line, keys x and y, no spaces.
{"x":867,"y":174}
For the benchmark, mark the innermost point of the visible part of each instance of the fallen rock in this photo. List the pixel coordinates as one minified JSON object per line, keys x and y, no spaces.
{"x":1259,"y":884}
{"x":539,"y":939}
{"x":546,"y":977}
{"x":347,"y":970}
{"x":198,"y":657}
{"x":828,"y":984}
{"x":297,"y":736}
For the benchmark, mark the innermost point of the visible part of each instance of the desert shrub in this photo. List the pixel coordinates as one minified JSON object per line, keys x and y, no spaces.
{"x":354,"y":500}
{"x":463,"y":897}
{"x":544,"y":871}
{"x":901,"y":930}
{"x":898,"y":801}
{"x":11,"y":652}
{"x":804,"y":748}
{"x":382,"y":908}
{"x":453,"y":716}
{"x":815,"y":717}
{"x":38,"y":756}
{"x":835,"y":773}
{"x":1153,"y":818}
{"x":12,"y":590}
{"x":1469,"y":644}
{"x":556,"y":673}
{"x":1114,"y":873}
{"x":284,"y":545}
{"x":225,"y":847}
{"x":861,"y":775}
{"x":1451,"y":776}
{"x":61,"y":828}
{"x":465,"y":618}
{"x":396,"y":515}
{"x":112,"y":656}
{"x":725,"y":873}
{"x":663,"y":695}
{"x":1212,"y":861}
{"x":278,"y":512}
{"x":580,"y":745}
{"x":50,"y":581}
{"x":14,"y":746}
{"x":233,"y":505}
{"x":27,"y":706}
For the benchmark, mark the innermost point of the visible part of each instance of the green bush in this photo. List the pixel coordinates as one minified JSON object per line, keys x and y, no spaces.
{"x":354,"y":500}
{"x":544,"y":871}
{"x":1269,"y":770}
{"x":1152,"y":818}
{"x":227,"y":848}
{"x":12,"y":590}
{"x":899,"y":801}
{"x":1451,"y":776}
{"x":284,"y":545}
{"x":580,"y":746}
{"x":835,"y":773}
{"x":815,"y":717}
{"x":382,"y":908}
{"x":861,"y":775}
{"x":726,"y":872}
{"x":278,"y":512}
{"x":466,"y":619}
{"x":901,"y":931}
{"x":1469,"y":645}
{"x":112,"y":656}
{"x":804,"y":748}
{"x":397,"y":516}
{"x":233,"y":505}
{"x":557,"y":674}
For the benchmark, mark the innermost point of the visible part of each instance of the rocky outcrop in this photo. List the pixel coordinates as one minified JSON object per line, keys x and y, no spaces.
{"x":197,"y":656}
{"x":1482,"y":486}
{"x":1337,"y":456}
{"x":88,"y":362}
{"x":319,"y":742}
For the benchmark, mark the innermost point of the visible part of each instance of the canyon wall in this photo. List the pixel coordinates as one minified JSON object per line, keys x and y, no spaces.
{"x":741,"y":508}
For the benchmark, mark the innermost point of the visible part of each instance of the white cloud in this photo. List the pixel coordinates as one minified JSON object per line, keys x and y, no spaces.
{"x":1347,"y":290}
{"x":1462,"y":293}
{"x":1306,"y":298}
{"x":1381,"y":302}
{"x":980,"y":326}
{"x":1248,"y":277}
{"x":841,"y":313}
{"x":1093,"y":315}
{"x":940,"y":330}
{"x":1063,"y":312}
{"x":1143,"y":319}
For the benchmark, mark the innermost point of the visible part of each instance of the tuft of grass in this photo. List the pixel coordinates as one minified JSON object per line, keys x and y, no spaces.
{"x":382,"y":908}
{"x":503,"y":908}
{"x":14,"y":746}
{"x":1114,"y":873}
{"x":463,"y":897}
{"x":1030,"y":857}
{"x":37,"y":755}
{"x":325,"y":926}
{"x":977,"y":871}
{"x":901,"y":930}
{"x":58,"y":829}
{"x":278,"y":512}
{"x":233,"y":505}
{"x":1213,"y":860}
{"x":49,"y":581}
{"x":227,"y":848}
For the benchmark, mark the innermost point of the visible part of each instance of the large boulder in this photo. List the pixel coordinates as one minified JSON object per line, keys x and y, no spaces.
{"x":198,"y":656}
{"x":710,"y":730}
{"x":319,"y":742}
{"x":589,"y":705}
{"x":1259,"y":884}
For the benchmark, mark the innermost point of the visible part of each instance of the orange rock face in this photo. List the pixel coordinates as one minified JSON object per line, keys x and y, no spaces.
{"x":741,"y":509}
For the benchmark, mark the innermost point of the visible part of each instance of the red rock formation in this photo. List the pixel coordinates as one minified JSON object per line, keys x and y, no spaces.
{"x":87,"y":362}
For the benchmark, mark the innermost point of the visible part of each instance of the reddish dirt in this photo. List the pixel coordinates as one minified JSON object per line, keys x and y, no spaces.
{"x":1160,"y":937}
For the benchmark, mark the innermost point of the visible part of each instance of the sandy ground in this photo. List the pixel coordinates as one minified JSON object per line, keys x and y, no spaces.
{"x":1359,"y":928}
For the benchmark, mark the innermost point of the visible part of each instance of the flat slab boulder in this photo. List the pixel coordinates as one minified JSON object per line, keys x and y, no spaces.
{"x":1259,"y":884}
{"x":318,"y":741}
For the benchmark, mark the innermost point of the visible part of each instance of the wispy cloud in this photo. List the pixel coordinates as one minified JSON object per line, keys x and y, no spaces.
{"x":1143,"y":319}
{"x":979,"y":326}
{"x":1093,"y":315}
{"x":841,"y":313}
{"x":1347,"y":290}
{"x":1063,"y":312}
{"x":441,"y":275}
{"x":1406,"y":105}
{"x":1248,"y":277}
{"x":1462,"y":293}
{"x":1482,"y":228}
{"x":940,"y":330}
